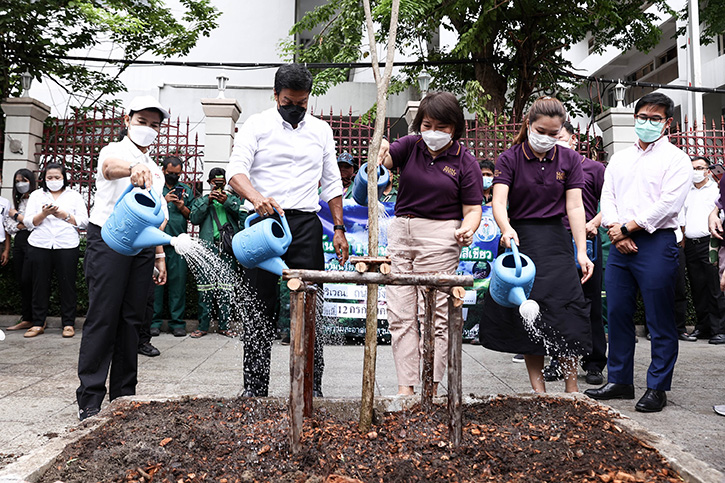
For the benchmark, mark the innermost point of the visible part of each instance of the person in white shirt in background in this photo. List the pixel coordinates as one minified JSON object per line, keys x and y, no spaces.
{"x":645,"y":187}
{"x":4,"y":237}
{"x":280,"y":157}
{"x":707,"y":297}
{"x":54,"y":215}
{"x":119,"y":285}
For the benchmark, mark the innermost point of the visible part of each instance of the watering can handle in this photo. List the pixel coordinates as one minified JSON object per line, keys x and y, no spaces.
{"x":156,"y":199}
{"x":255,"y":215}
{"x":517,"y":257}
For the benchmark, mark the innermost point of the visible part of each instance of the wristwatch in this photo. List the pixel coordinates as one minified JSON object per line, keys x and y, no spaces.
{"x":131,"y":166}
{"x":624,"y":230}
{"x":339,"y":227}
{"x":67,"y":218}
{"x":15,"y":216}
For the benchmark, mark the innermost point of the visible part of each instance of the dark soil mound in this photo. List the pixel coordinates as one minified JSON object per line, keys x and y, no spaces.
{"x":242,"y":440}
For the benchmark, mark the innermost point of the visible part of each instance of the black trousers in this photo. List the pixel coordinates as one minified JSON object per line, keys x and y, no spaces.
{"x":144,"y":330}
{"x":709,"y":301}
{"x":118,"y":291}
{"x":592,"y":289}
{"x":43,"y":262}
{"x":23,"y":274}
{"x":305,"y":252}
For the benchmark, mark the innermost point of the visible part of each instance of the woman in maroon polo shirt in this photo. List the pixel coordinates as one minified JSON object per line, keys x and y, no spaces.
{"x":437,"y":212}
{"x":535,"y":184}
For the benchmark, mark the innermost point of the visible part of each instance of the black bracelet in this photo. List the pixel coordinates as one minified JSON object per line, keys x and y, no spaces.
{"x":339,"y":227}
{"x":15,"y":216}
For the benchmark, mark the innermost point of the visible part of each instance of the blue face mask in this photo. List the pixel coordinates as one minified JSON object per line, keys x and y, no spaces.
{"x":487,"y":182}
{"x":647,"y":132}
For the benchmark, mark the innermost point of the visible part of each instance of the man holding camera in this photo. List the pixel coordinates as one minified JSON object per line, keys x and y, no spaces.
{"x":178,"y":196}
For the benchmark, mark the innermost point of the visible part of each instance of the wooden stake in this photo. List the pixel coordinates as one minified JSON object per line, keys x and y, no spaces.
{"x":428,"y":347}
{"x":458,"y":294}
{"x":385,"y":268}
{"x":361,"y":267}
{"x":310,"y":322}
{"x":430,"y":280}
{"x":455,"y":390}
{"x":294,"y":284}
{"x":297,"y":368}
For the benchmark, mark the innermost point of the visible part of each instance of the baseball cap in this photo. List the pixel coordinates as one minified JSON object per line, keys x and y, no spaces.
{"x":346,"y":158}
{"x":139,"y":103}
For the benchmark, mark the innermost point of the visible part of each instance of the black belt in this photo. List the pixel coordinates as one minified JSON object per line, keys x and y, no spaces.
{"x":702,"y":239}
{"x":294,"y":212}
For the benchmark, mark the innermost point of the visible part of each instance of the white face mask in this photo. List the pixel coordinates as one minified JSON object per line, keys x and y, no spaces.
{"x":540,"y":142}
{"x":698,"y":176}
{"x":436,"y":140}
{"x":563,"y":144}
{"x":54,"y":184}
{"x":22,"y":187}
{"x":142,"y":135}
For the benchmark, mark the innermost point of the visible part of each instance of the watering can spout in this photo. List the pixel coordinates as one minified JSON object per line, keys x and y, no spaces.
{"x":517,"y":296}
{"x":152,"y":236}
{"x":273,"y":265}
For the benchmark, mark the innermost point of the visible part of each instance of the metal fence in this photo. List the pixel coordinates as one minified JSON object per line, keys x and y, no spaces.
{"x":75,"y":143}
{"x":485,"y":140}
{"x":699,"y":140}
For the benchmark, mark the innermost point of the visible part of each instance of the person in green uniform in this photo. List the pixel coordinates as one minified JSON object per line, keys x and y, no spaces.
{"x":228,"y":209}
{"x":178,"y":196}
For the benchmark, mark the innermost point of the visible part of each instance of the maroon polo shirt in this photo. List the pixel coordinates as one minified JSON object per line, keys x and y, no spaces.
{"x":592,"y":191}
{"x":721,"y":201}
{"x":537,"y":188}
{"x":435,"y":188}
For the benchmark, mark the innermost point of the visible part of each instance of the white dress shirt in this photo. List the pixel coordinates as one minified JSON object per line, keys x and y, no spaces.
{"x":53,"y":232}
{"x":4,"y":210}
{"x":11,"y":226}
{"x":698,"y":205}
{"x":287,"y":164}
{"x":109,"y":191}
{"x":647,"y":186}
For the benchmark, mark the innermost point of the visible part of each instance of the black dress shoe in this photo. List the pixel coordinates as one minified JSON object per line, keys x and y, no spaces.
{"x":154,"y":331}
{"x":648,"y":336}
{"x":146,"y":349}
{"x":686,"y":337}
{"x":552,"y":372}
{"x":179,"y":332}
{"x":717,"y":339}
{"x":317,"y":393}
{"x":699,"y":334}
{"x":652,"y":402}
{"x":612,"y":391}
{"x":249,"y":393}
{"x":86,"y":413}
{"x":594,"y":377}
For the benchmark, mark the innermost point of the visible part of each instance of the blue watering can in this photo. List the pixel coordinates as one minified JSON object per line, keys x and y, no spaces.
{"x":133,"y":223}
{"x":261,"y":245}
{"x":360,"y":185}
{"x":512,"y":278}
{"x":591,"y":251}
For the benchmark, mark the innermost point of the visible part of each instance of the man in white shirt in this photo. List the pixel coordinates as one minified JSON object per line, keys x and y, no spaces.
{"x":4,"y":236}
{"x":645,"y":187}
{"x":118,"y":285}
{"x":709,"y":301}
{"x":280,"y":157}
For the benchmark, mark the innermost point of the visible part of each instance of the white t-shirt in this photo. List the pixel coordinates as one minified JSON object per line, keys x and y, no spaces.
{"x":4,"y":210}
{"x":109,"y":191}
{"x":53,"y":232}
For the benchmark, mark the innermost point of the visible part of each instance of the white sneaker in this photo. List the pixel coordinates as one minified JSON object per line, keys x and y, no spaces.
{"x":719,"y":409}
{"x":518,"y":358}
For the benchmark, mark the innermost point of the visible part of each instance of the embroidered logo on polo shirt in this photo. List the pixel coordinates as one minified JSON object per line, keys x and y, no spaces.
{"x":496,"y":172}
{"x":449,"y":170}
{"x":560,"y":175}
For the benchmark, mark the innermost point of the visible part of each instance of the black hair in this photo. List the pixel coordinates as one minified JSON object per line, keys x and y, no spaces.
{"x":486,"y":164}
{"x":170,"y":160}
{"x":216,"y":173}
{"x":27,"y":174}
{"x":657,"y":99}
{"x":53,"y":166}
{"x":293,"y":76}
{"x":569,"y":128}
{"x":444,"y":108}
{"x":161,"y":114}
{"x":704,"y":158}
{"x":544,"y":106}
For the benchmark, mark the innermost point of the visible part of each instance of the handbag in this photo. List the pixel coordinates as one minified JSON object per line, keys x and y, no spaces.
{"x":226,"y":233}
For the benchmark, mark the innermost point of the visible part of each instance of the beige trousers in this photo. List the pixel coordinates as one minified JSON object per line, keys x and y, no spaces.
{"x":419,"y":245}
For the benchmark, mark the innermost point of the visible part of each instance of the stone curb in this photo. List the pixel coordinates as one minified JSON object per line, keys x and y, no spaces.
{"x":31,"y":467}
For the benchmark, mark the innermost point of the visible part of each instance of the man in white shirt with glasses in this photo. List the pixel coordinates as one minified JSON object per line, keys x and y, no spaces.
{"x":645,"y":187}
{"x":280,"y":158}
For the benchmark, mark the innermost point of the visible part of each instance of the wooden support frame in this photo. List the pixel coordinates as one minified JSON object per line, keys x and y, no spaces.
{"x":429,"y":300}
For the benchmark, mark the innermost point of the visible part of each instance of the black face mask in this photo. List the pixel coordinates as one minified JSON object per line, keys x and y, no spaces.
{"x":172,"y":179}
{"x":291,"y":113}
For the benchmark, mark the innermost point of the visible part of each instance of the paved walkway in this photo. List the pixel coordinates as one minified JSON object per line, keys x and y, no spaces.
{"x":38,"y":381}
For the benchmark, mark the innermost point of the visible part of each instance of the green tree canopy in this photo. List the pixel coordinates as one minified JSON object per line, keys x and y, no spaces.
{"x":37,"y":35}
{"x":509,"y":50}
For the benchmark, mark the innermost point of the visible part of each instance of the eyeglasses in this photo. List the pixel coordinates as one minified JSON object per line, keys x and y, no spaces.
{"x":653,"y":120}
{"x":701,"y":168}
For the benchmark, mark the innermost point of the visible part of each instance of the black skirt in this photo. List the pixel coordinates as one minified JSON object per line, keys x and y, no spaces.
{"x":564,"y":313}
